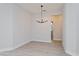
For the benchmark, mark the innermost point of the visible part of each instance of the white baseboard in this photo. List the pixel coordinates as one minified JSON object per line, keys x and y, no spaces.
{"x":71,"y":53}
{"x":57,"y":39}
{"x":14,"y":47}
{"x":6,"y":49}
{"x":41,"y":40}
{"x":19,"y":45}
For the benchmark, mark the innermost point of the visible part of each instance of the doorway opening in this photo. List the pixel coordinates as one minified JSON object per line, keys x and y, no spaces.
{"x":57,"y":27}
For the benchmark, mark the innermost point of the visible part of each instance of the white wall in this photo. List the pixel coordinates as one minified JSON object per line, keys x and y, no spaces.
{"x":41,"y":32}
{"x":70,"y":28}
{"x":21,"y":27}
{"x":15,"y":26}
{"x":77,"y":27}
{"x":6,"y":30}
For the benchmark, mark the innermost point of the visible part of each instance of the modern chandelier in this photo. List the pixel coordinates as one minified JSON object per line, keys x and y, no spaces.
{"x":42,"y":20}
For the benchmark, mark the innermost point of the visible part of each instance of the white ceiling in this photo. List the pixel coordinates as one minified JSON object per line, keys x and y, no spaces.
{"x":49,"y":7}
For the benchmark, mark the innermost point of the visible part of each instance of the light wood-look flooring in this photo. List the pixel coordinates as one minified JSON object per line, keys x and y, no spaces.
{"x":36,"y":48}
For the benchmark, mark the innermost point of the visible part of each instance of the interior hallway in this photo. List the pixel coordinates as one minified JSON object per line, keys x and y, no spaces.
{"x":35,"y":48}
